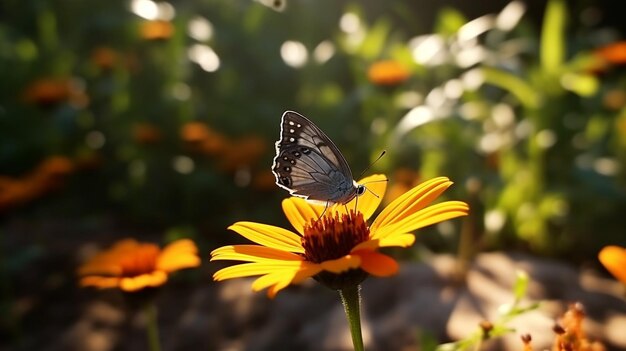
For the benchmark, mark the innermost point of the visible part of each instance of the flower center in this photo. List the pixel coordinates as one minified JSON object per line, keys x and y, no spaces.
{"x":332,"y":237}
{"x":140,"y":261}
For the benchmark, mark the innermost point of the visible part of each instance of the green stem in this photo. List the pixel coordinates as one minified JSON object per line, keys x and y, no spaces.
{"x":152,"y":327}
{"x":351,"y":299}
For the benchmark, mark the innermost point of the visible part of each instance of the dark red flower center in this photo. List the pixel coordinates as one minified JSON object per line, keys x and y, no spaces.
{"x":334,"y":236}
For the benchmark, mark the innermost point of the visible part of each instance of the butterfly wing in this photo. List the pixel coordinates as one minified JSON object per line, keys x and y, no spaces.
{"x":309,"y":164}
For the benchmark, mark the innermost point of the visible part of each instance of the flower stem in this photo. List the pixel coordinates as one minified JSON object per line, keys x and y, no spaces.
{"x":351,"y":299}
{"x":152,"y":327}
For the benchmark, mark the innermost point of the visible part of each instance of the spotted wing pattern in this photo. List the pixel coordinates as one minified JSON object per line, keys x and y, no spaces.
{"x":308,"y":163}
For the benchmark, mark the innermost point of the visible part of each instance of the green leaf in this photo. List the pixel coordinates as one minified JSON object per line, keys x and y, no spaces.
{"x":513,"y":84}
{"x":376,"y":38}
{"x":449,"y":21}
{"x":521,"y":285}
{"x":553,"y":37}
{"x":582,"y":84}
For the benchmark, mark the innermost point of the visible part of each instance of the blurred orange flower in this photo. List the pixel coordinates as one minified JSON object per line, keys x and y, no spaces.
{"x":570,"y":335}
{"x":614,"y":53}
{"x":614,"y":99}
{"x":201,"y":138}
{"x":242,"y":152}
{"x":156,"y":30}
{"x":146,"y":133}
{"x":47,"y":176}
{"x":50,"y":91}
{"x":132,"y":266}
{"x":264,"y":180}
{"x":104,"y":57}
{"x":387,"y":72}
{"x":613,"y":258}
{"x":56,"y":166}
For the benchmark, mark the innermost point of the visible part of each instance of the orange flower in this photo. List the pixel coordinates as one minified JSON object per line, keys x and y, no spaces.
{"x":15,"y":192}
{"x":201,"y":138}
{"x":56,"y":166}
{"x":104,"y":57}
{"x":156,"y":30}
{"x":132,"y":266}
{"x":243,"y":152}
{"x":146,"y":133}
{"x":340,"y":249}
{"x":47,"y":91}
{"x":614,"y":260}
{"x":264,"y":181}
{"x":50,"y":91}
{"x":614,"y":99}
{"x":614,"y":53}
{"x":388,"y":72}
{"x":570,"y":334}
{"x":47,"y":176}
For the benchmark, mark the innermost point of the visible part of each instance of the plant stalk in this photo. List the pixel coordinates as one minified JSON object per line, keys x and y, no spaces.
{"x":152,"y":327}
{"x":351,"y":299}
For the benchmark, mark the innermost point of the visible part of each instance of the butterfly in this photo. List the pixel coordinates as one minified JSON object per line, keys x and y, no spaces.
{"x":309,"y":165}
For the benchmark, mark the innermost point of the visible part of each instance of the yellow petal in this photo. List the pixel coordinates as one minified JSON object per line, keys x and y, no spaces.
{"x":395,"y":240}
{"x":299,"y":212}
{"x":425,"y":217}
{"x":252,"y":269}
{"x":377,"y":264}
{"x":154,"y":279}
{"x":290,"y":276}
{"x":180,"y":246}
{"x":375,"y":185}
{"x":175,"y":263}
{"x":252,"y":253}
{"x":341,"y":264}
{"x":307,"y":272}
{"x":268,"y":235}
{"x":178,"y":255}
{"x":614,"y":260}
{"x":411,"y":202}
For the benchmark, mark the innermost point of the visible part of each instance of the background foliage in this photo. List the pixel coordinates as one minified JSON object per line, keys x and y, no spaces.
{"x":164,"y":116}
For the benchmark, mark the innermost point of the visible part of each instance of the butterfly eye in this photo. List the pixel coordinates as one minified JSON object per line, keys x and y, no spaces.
{"x":285,"y":181}
{"x":305,"y":150}
{"x":360,"y":190}
{"x":296,"y":153}
{"x":287,"y":169}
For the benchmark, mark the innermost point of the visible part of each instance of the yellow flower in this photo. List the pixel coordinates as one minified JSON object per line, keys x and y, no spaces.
{"x":131,"y":266}
{"x":340,"y":247}
{"x":614,"y":260}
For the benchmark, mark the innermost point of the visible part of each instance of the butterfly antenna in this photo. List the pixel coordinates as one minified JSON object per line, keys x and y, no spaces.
{"x":323,"y":212}
{"x":373,"y":193}
{"x":371,"y":164}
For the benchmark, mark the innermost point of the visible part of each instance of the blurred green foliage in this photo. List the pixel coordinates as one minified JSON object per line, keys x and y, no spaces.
{"x":519,"y":117}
